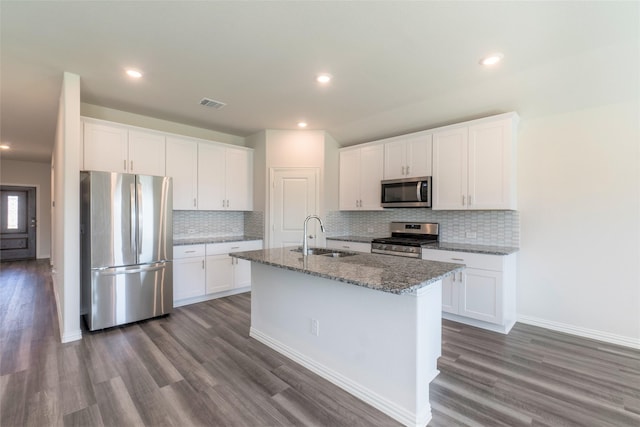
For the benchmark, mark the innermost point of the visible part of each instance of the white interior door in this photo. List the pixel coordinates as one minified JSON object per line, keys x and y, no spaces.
{"x":294,"y":196}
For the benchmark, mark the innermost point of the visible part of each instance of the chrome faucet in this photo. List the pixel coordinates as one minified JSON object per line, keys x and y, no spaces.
{"x":305,"y":243}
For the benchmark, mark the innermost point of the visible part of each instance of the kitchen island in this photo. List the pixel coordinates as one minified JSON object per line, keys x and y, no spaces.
{"x":370,"y":324}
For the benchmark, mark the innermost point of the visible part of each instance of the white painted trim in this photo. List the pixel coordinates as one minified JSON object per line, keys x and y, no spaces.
{"x":501,"y":329}
{"x":68,"y":336}
{"x":581,"y":332}
{"x":71,"y":336}
{"x":394,"y":411}
{"x":208,"y":297}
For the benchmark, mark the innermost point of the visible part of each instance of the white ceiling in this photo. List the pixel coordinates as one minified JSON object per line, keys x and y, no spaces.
{"x":398,"y":66}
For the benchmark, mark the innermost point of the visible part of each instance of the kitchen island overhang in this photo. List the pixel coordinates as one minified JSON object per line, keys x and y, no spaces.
{"x":370,"y":324}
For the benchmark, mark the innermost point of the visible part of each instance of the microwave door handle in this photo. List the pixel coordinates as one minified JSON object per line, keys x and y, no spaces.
{"x":418,"y":193}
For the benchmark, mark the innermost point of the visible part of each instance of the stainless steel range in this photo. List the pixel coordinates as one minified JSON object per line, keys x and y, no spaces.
{"x":407,"y":239}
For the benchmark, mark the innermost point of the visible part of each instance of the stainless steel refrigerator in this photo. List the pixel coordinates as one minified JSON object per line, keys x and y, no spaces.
{"x":126,"y":247}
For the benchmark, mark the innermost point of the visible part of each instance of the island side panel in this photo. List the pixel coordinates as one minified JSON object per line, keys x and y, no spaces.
{"x":379,"y":346}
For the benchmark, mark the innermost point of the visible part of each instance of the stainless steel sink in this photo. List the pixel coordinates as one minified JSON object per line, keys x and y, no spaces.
{"x":330,"y":253}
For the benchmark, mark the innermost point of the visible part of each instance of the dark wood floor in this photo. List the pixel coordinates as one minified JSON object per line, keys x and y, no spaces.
{"x":199,"y":367}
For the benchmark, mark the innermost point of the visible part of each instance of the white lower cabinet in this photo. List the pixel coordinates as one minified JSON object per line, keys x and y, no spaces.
{"x":483,"y":294}
{"x":224,"y":272}
{"x":349,"y":246}
{"x":188,"y":272}
{"x":203,"y":272}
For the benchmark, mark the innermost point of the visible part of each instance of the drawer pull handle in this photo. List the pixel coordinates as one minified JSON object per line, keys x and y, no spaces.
{"x":189,"y":252}
{"x":458,"y":259}
{"x":235,"y":247}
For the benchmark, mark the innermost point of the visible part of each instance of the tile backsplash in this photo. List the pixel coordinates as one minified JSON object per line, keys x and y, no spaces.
{"x":207,"y":223}
{"x":189,"y":224}
{"x":501,"y":228}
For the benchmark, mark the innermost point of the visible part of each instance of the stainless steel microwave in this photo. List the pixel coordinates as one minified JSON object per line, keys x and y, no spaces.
{"x":406,"y":193}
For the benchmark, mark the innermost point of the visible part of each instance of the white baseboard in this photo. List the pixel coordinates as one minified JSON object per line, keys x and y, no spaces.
{"x":502,"y":329}
{"x":394,"y":411}
{"x":581,"y":332}
{"x":65,"y":337}
{"x":203,"y":298}
{"x":71,"y":336}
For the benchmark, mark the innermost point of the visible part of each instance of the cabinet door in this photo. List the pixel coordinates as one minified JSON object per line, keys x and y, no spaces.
{"x":450,"y":169}
{"x":105,"y":148}
{"x":419,"y":158}
{"x":146,"y":153}
{"x":450,"y":293}
{"x":395,"y":162}
{"x":371,"y":173}
{"x":349,"y":180}
{"x":481,"y":295}
{"x":490,"y":166}
{"x":241,"y":273}
{"x":239,"y":179}
{"x":188,"y":278}
{"x":182,"y":166}
{"x":211,"y":177}
{"x":219,"y":273}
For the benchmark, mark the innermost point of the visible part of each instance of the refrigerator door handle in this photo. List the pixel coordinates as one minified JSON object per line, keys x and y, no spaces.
{"x":113,"y":271}
{"x":140,"y":218}
{"x":132,"y":225}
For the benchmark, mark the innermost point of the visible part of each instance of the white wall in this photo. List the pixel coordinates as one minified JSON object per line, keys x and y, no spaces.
{"x":103,"y":113}
{"x":66,"y":212}
{"x":579,"y":198}
{"x":33,"y":174}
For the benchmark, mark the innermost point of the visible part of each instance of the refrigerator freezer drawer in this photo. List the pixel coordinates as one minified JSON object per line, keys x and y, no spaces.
{"x":122,"y":295}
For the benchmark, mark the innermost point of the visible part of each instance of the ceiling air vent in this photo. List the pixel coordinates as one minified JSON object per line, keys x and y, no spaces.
{"x":212,"y":103}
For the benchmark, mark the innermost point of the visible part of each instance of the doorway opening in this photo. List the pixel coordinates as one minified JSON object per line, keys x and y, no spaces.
{"x":17,"y":223}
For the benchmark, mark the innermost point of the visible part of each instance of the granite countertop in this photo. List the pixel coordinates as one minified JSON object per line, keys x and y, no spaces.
{"x":397,"y":275}
{"x":180,"y":241}
{"x":359,"y":239}
{"x":443,"y":246}
{"x":476,"y":249}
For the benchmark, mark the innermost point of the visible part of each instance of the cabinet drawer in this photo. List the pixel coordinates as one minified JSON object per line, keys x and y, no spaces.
{"x":229,"y":247}
{"x":349,"y":246}
{"x":471,"y":260}
{"x":188,"y":251}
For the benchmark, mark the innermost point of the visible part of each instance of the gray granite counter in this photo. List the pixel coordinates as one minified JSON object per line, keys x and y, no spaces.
{"x":204,"y":240}
{"x":443,"y":246}
{"x":397,"y":275}
{"x":477,"y":249}
{"x":359,"y":239}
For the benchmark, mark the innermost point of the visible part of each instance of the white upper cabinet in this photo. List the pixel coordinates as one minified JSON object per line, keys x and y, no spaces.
{"x":450,"y":169}
{"x":105,"y":148}
{"x":361,"y":170}
{"x":225,"y":179}
{"x":474,"y":165}
{"x":408,"y":156}
{"x":113,"y":148}
{"x":146,"y":153}
{"x":182,"y":166}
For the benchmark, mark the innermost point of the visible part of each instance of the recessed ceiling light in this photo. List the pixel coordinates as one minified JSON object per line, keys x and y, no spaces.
{"x":5,"y":147}
{"x":302,"y":124}
{"x":323,"y":78}
{"x":134,"y":74}
{"x":492,"y":59}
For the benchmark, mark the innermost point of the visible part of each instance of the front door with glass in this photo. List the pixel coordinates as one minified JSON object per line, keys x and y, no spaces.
{"x":17,"y":223}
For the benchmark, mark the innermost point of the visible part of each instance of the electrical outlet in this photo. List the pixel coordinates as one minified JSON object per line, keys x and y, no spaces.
{"x":471,"y":235}
{"x":315,"y":327}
